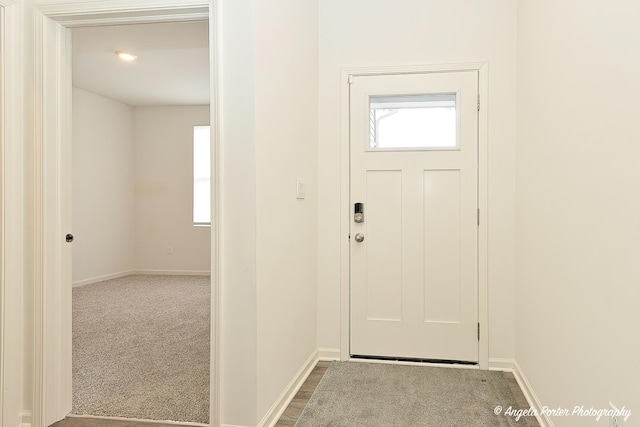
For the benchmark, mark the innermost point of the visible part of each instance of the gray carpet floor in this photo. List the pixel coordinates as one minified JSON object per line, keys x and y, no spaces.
{"x":381,"y":395}
{"x":141,"y":348}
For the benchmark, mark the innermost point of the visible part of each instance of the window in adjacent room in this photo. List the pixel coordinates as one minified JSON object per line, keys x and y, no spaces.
{"x":201,"y":175}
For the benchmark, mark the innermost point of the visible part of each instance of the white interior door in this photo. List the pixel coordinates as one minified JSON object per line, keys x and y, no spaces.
{"x":414,"y":251}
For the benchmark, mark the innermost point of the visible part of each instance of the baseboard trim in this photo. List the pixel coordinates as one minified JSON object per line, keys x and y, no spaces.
{"x":26,"y":419}
{"x":143,"y":272}
{"x":530,"y":395}
{"x":328,"y":354}
{"x":172,"y":272}
{"x":505,"y":365}
{"x":138,"y":420}
{"x":511,"y":365}
{"x":102,"y":278}
{"x":277,"y":409}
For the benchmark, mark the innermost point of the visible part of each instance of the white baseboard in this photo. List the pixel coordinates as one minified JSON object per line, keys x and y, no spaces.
{"x":530,"y":395}
{"x":26,"y":419}
{"x":172,"y":272}
{"x":506,"y":365}
{"x":328,"y":354}
{"x":102,"y":278}
{"x":511,"y":365}
{"x":138,"y":420}
{"x":275,"y":412}
{"x":143,"y":272}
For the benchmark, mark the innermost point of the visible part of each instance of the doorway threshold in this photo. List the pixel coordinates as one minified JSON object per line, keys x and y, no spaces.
{"x":413,"y":360}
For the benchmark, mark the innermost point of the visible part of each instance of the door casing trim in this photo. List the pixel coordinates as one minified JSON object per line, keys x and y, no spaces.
{"x":51,"y":128}
{"x":483,"y":301}
{"x":11,"y":212}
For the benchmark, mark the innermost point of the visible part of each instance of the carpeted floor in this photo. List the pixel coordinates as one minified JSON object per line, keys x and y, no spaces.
{"x":381,"y":395}
{"x":141,"y":348}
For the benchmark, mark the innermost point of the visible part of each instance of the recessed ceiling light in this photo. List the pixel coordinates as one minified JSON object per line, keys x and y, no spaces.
{"x":126,"y":56}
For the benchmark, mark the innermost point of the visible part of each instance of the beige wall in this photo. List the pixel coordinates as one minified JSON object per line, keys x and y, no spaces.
{"x":164,"y":190}
{"x":578,"y":210}
{"x":268,"y":266}
{"x":408,"y":32}
{"x":286,"y":149}
{"x":132,"y":189}
{"x":103,"y":177}
{"x":238,"y":309}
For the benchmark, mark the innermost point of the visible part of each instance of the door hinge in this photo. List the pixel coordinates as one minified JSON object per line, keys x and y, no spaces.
{"x":478,"y":102}
{"x":478,"y":216}
{"x":478,"y":331}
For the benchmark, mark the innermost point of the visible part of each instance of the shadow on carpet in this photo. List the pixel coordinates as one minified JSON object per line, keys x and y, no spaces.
{"x":382,"y":395}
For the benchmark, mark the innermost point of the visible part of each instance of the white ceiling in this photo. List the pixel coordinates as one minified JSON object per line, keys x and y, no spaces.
{"x":172,"y":66}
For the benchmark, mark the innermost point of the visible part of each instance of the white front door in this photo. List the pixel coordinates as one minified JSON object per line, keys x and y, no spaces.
{"x":414,"y":201}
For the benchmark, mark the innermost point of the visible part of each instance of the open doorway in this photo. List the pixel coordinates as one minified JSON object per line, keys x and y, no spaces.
{"x":141,"y":256}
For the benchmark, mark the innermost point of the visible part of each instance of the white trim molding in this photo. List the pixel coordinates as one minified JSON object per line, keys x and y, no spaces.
{"x":328,"y":354}
{"x":26,"y":419}
{"x":530,"y":395}
{"x":126,"y":273}
{"x":172,"y":272}
{"x":505,"y":365}
{"x":277,"y":409}
{"x":51,"y":148}
{"x":483,"y":288}
{"x":138,"y":420}
{"x":83,"y":14}
{"x":98,"y":279}
{"x":12,"y":229}
{"x":511,"y":365}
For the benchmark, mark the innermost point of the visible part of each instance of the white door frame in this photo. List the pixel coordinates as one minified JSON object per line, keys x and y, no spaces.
{"x":345,"y":217}
{"x":11,"y":213}
{"x":52,"y":149}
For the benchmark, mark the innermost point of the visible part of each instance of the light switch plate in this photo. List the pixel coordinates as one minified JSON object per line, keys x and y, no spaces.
{"x":300,"y":188}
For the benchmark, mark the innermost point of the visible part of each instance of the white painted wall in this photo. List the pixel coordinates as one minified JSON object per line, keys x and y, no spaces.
{"x":164,"y":190}
{"x":103,"y":175}
{"x":238,"y":364}
{"x":268,"y":138}
{"x":578,"y":209}
{"x":132,"y":188}
{"x":360,"y":33}
{"x":286,"y":149}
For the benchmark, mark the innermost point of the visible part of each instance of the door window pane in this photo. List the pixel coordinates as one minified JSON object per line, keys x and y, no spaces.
{"x":413,"y":122}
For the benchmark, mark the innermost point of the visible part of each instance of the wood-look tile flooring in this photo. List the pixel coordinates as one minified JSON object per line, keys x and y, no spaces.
{"x":293,"y":411}
{"x":289,"y":417}
{"x":105,"y":422}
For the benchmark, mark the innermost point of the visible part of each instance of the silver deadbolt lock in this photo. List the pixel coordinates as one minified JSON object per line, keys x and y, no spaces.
{"x":359,"y":237}
{"x":358,"y":212}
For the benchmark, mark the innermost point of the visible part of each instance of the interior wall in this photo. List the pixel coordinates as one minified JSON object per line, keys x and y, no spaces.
{"x":238,"y":340}
{"x":367,"y":33}
{"x":286,"y":227}
{"x":578,"y":209}
{"x":164,"y":191}
{"x":103,"y":194}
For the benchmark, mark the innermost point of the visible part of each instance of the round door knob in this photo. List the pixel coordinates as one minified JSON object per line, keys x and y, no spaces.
{"x":69,"y":238}
{"x":359,"y":237}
